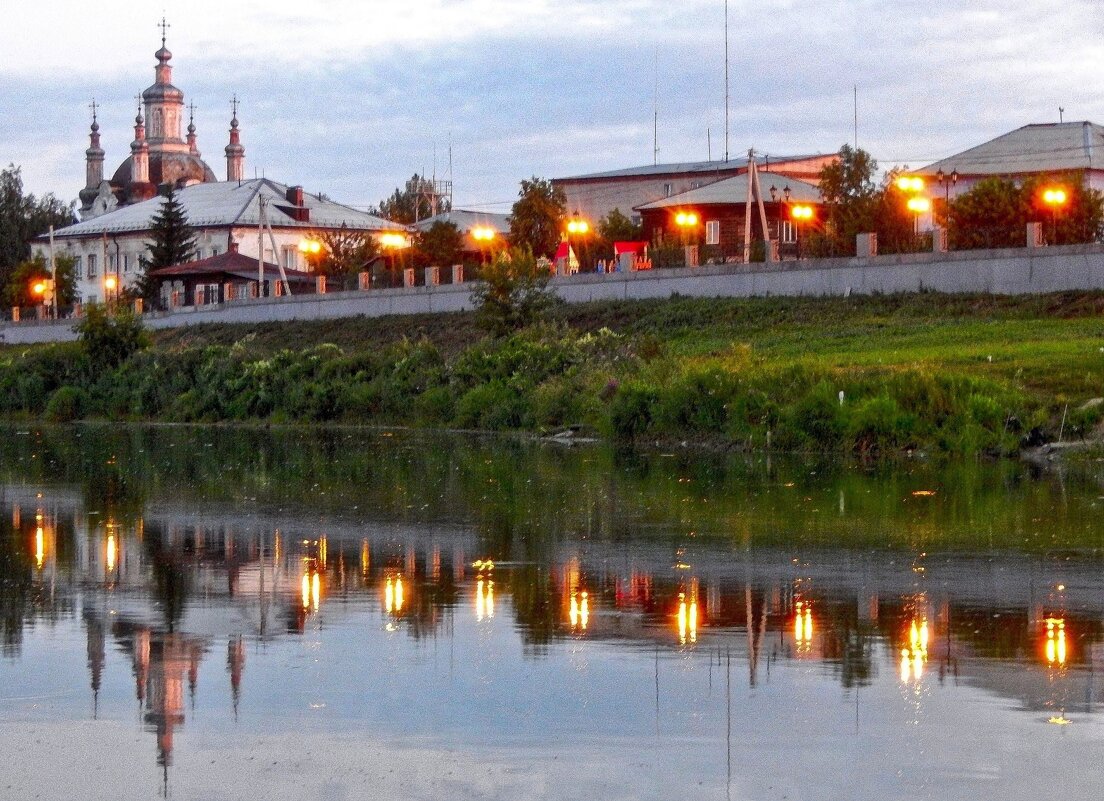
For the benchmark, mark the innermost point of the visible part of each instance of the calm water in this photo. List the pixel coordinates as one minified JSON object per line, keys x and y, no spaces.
{"x":229,"y":614}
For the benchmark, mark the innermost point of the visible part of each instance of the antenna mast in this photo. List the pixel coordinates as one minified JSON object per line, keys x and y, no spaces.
{"x":655,"y":112}
{"x":726,"y":79}
{"x":856,"y":87}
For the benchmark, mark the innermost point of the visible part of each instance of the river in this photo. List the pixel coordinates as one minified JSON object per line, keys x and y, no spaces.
{"x":250,"y":613}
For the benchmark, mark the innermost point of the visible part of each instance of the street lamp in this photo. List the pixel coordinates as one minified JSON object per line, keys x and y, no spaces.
{"x":1056,"y":198}
{"x":947,"y":181}
{"x":111,"y":288}
{"x":43,"y":289}
{"x":392,"y":242}
{"x":918,"y":206}
{"x":800,"y":213}
{"x":310,"y":248}
{"x":910,"y":183}
{"x":483,"y":237}
{"x":578,"y":226}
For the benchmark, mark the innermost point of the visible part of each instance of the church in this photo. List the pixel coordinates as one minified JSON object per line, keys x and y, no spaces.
{"x":259,"y":218}
{"x":158,"y":154}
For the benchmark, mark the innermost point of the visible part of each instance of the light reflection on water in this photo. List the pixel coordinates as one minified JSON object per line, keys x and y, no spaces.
{"x":278,"y":654}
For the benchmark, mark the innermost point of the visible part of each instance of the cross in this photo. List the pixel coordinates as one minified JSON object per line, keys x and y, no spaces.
{"x":139,"y":99}
{"x":93,"y":105}
{"x":191,"y":111}
{"x":164,"y":26}
{"x":234,"y":105}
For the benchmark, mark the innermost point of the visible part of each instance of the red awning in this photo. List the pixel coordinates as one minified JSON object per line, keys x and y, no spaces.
{"x":629,"y":247}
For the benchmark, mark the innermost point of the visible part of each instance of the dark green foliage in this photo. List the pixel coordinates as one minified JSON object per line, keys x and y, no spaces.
{"x":22,"y":218}
{"x":536,"y":219}
{"x":66,"y":404}
{"x":411,"y":203}
{"x":514,"y":292}
{"x":172,"y":242}
{"x":439,"y":246}
{"x":110,"y":335}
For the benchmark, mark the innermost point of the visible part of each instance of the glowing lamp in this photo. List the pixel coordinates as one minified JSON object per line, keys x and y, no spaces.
{"x":910,"y":183}
{"x":801,"y":212}
{"x":919,"y":205}
{"x":1055,"y":197}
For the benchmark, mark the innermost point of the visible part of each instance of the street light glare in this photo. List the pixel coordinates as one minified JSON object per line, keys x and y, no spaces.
{"x":39,"y":288}
{"x":483,"y":234}
{"x":1055,"y":197}
{"x":919,"y":205}
{"x":686,"y":218}
{"x":110,"y":283}
{"x":801,"y":212}
{"x":910,"y":183}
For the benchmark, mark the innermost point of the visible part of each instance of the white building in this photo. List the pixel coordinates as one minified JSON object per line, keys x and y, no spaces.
{"x":221,"y":213}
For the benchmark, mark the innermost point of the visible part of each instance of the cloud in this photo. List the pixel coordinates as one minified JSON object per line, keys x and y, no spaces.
{"x":351,"y":97}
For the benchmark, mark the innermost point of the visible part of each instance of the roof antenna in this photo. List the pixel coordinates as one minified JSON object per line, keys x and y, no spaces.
{"x":726,"y":80}
{"x":655,"y":112}
{"x":1061,"y":113}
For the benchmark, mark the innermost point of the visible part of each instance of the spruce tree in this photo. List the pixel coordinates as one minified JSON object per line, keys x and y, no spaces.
{"x":172,"y":242}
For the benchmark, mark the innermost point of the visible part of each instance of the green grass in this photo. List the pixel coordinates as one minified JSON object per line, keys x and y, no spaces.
{"x":963,"y":374}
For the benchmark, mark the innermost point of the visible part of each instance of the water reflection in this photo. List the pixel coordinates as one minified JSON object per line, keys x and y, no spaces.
{"x":165,"y":586}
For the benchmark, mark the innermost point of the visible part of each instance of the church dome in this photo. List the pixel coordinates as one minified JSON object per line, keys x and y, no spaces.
{"x":169,"y":168}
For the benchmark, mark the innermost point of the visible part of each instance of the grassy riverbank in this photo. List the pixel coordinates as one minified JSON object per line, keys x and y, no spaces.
{"x":959,"y":374}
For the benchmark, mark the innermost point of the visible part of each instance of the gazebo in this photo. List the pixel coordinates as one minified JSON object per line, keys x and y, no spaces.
{"x":225,"y":277}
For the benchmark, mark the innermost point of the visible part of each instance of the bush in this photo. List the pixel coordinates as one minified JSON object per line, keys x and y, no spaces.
{"x":110,"y":336}
{"x":491,"y":406}
{"x":66,"y":404}
{"x":878,"y":425}
{"x":631,"y":411}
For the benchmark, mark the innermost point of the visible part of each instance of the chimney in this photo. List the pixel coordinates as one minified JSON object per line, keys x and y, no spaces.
{"x":232,"y":247}
{"x":295,"y":195}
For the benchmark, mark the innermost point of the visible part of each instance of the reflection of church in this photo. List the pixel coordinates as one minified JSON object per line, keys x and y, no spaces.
{"x":159,"y":154}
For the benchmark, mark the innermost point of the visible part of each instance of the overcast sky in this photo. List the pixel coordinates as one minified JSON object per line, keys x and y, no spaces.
{"x":350,"y":98}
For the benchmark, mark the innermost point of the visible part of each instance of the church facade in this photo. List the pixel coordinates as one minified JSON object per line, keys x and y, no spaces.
{"x":159,"y":154}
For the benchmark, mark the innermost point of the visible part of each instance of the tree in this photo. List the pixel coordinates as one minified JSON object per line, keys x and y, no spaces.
{"x":172,"y":242}
{"x":993,"y":214}
{"x":514,"y":292}
{"x":616,"y":227}
{"x":412,"y":203}
{"x":536,"y":220}
{"x":441,"y":245}
{"x":110,"y":336}
{"x":850,"y":202}
{"x":22,"y":218}
{"x":347,"y":252}
{"x":18,"y":291}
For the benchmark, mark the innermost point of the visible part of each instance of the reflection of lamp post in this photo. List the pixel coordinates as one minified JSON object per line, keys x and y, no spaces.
{"x":800,"y":213}
{"x":1056,"y":198}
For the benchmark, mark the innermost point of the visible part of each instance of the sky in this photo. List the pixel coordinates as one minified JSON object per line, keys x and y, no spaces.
{"x":351,"y":97}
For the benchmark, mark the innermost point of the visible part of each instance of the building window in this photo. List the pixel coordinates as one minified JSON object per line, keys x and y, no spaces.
{"x":668,"y":190}
{"x":712,"y":232}
{"x":214,"y":252}
{"x":290,"y":255}
{"x":695,"y":184}
{"x":91,"y":265}
{"x":77,"y":266}
{"x":113,"y":263}
{"x":126,"y":262}
{"x":789,"y":235}
{"x":637,"y":219}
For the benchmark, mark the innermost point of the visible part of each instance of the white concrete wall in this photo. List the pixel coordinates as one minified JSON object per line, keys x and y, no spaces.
{"x":1001,"y":272}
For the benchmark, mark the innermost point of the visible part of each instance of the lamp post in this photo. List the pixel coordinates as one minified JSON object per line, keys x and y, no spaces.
{"x":800,"y":213}
{"x":483,"y":236}
{"x":392,"y":243}
{"x":1056,"y":198}
{"x":43,"y":289}
{"x":111,"y":289}
{"x":577,"y":227}
{"x":918,"y":206}
{"x":687,"y":222}
{"x":947,"y":181}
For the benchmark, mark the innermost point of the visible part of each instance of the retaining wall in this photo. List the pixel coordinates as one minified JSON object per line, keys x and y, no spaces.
{"x":1003,"y":272}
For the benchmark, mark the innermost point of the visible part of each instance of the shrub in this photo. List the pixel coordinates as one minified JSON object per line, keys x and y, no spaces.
{"x":66,"y":404}
{"x":878,"y":425}
{"x":631,"y":411}
{"x":110,"y":336}
{"x":491,"y":406}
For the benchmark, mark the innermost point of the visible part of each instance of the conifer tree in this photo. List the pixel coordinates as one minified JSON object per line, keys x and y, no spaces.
{"x":172,"y":242}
